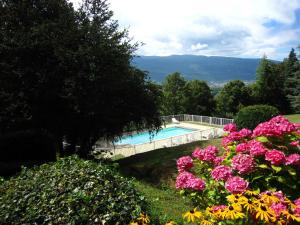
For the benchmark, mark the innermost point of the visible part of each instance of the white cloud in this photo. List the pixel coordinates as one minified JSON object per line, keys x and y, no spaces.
{"x":211,"y":27}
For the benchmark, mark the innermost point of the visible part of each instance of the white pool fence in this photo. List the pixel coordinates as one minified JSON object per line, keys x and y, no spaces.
{"x":197,"y":135}
{"x":199,"y":119}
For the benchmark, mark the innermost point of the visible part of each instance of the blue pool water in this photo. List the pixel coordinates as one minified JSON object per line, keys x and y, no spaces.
{"x":145,"y":137}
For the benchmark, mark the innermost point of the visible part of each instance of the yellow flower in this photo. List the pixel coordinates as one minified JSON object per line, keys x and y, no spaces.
{"x":192,"y":215}
{"x":209,"y":212}
{"x":144,"y":218}
{"x":249,"y":205}
{"x":134,"y":223}
{"x":263,"y":213}
{"x":269,"y":198}
{"x":233,"y":212}
{"x":171,"y":222}
{"x":206,"y":222}
{"x":290,"y":216}
{"x":236,"y":199}
{"x":252,"y":193}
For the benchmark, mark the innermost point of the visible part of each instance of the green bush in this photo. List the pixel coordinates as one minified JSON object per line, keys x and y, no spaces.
{"x":250,"y":116}
{"x":69,"y":191}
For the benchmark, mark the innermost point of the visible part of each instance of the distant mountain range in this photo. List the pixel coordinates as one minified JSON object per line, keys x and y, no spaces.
{"x":214,"y":69}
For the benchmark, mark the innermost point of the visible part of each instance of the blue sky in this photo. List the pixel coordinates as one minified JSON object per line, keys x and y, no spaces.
{"x":234,"y":28}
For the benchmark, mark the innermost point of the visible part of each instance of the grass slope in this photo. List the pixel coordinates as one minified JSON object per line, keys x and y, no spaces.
{"x":155,"y":174}
{"x":295,"y":118}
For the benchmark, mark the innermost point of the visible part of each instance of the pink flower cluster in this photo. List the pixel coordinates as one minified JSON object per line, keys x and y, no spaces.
{"x":184,"y":163}
{"x":256,"y":148}
{"x":218,"y":208}
{"x":278,"y":208}
{"x":221,"y":173}
{"x":297,"y":210}
{"x":295,"y":143}
{"x":230,"y":127}
{"x":208,"y":154}
{"x":186,"y":180}
{"x":243,"y":163}
{"x":293,"y":159}
{"x":236,"y":185}
{"x":277,"y":126}
{"x":275,"y":157}
{"x":236,"y":136}
{"x":242,"y":147}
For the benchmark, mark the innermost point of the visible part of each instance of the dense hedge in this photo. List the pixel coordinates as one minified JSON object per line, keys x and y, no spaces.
{"x":26,"y":147}
{"x":250,"y":116}
{"x":69,"y":191}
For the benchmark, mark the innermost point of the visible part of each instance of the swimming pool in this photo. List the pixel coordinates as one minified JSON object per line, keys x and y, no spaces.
{"x":145,"y":137}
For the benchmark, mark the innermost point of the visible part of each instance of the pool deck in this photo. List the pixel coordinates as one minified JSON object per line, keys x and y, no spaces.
{"x":202,"y":132}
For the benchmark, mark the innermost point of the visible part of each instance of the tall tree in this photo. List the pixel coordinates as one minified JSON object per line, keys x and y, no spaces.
{"x":292,"y":80}
{"x":69,"y":72}
{"x":198,"y":98}
{"x":173,"y":94}
{"x":269,"y":88}
{"x":232,"y":98}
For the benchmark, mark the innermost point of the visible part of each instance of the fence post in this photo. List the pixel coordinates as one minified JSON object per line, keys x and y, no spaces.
{"x":210,"y":120}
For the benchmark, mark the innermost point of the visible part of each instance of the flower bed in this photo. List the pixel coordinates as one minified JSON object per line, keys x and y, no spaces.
{"x":251,"y":180}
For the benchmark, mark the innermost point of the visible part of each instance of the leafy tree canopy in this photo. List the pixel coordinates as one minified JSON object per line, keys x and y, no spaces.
{"x":68,"y":71}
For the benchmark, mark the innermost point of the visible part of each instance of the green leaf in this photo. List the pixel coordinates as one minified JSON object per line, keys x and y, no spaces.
{"x":263,"y":166}
{"x":281,"y":179}
{"x":257,"y":177}
{"x":292,"y":172}
{"x":262,"y":139}
{"x":276,"y":168}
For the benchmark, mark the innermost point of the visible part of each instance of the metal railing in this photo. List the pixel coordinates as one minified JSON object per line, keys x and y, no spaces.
{"x":128,"y":150}
{"x":200,"y":119}
{"x":168,"y":142}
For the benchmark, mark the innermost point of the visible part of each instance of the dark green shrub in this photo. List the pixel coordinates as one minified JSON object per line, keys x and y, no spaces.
{"x":250,"y":116}
{"x":26,"y":147}
{"x":69,"y":191}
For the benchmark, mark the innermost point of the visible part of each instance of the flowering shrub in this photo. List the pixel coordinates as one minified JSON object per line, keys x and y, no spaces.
{"x":266,"y":158}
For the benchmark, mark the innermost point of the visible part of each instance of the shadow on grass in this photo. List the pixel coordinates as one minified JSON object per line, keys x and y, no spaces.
{"x":158,"y":167}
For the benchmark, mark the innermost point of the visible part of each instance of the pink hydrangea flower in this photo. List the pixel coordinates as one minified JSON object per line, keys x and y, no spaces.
{"x":293,"y":159}
{"x":243,"y":147}
{"x":216,"y":208}
{"x":297,"y":125}
{"x":230,"y":127}
{"x":277,"y":126}
{"x":276,"y":157}
{"x":256,"y":148}
{"x":184,"y":163}
{"x":245,"y":133}
{"x":187,"y":180}
{"x":297,"y":211}
{"x":278,"y":208}
{"x":280,"y":195}
{"x":236,"y":185}
{"x":196,"y":184}
{"x":297,"y":202}
{"x":243,"y":163}
{"x":221,"y":173}
{"x":207,"y":154}
{"x":218,"y":160}
{"x":295,"y":143}
{"x":226,"y":141}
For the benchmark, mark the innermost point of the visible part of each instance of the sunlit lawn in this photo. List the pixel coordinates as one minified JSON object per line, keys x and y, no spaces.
{"x":295,"y":118}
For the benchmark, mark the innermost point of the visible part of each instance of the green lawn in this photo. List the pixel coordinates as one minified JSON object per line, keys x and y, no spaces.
{"x":295,"y":118}
{"x":155,"y":174}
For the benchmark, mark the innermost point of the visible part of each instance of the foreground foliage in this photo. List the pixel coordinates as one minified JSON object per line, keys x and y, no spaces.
{"x":70,"y":191}
{"x":254,"y":180}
